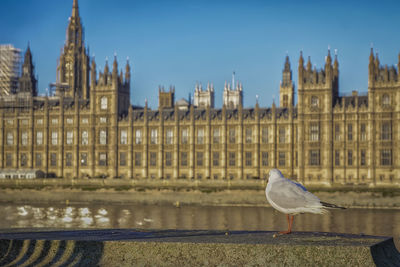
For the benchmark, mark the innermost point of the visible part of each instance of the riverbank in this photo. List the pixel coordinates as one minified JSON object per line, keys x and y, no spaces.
{"x":245,"y":197}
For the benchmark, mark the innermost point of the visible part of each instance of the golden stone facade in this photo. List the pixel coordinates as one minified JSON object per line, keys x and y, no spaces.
{"x":89,"y":128}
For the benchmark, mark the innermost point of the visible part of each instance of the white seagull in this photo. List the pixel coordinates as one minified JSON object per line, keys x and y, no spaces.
{"x":292,"y":198}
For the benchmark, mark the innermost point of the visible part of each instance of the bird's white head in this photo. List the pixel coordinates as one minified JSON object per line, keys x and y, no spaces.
{"x":275,"y":174}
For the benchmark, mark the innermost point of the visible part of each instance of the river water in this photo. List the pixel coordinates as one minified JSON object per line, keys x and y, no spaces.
{"x":382,"y":222}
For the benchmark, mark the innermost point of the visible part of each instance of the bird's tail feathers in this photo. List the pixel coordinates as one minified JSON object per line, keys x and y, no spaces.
{"x":333,"y":206}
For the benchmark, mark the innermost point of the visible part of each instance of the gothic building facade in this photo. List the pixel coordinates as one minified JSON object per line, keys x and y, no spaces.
{"x":88,"y":128}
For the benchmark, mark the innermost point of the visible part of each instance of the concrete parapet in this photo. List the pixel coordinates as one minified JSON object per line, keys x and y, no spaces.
{"x":193,"y":248}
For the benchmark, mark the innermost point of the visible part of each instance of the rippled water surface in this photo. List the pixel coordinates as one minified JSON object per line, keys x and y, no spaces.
{"x":383,"y":222}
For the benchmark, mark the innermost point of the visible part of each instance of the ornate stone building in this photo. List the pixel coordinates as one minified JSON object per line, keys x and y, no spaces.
{"x":90,"y":129}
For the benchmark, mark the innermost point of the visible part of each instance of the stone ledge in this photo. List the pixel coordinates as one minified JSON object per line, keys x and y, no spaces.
{"x":126,"y":247}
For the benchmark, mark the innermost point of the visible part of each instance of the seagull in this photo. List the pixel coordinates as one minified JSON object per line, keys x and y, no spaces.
{"x":292,"y":198}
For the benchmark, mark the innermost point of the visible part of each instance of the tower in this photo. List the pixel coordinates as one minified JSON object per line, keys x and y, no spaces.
{"x":233,"y":98}
{"x":204,"y":98}
{"x":73,"y":66}
{"x":286,"y":88}
{"x":27,"y":81}
{"x":166,"y":99}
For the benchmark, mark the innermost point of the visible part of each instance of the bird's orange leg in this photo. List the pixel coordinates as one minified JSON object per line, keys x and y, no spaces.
{"x":290,"y":222}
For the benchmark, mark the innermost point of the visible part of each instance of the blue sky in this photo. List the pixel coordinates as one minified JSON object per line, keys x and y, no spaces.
{"x":183,"y":42}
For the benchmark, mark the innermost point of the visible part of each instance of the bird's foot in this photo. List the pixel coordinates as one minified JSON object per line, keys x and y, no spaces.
{"x":285,"y":232}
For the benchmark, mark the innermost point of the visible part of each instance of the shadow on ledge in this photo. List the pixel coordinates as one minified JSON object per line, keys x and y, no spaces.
{"x":116,"y":247}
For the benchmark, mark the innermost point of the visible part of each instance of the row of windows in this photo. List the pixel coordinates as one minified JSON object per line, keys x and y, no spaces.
{"x":102,"y":159}
{"x":386,"y":134}
{"x":385,"y":157}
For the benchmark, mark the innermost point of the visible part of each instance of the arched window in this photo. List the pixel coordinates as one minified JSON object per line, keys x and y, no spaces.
{"x":385,"y":100}
{"x":103,"y":102}
{"x":285,"y":101}
{"x":314,"y":101}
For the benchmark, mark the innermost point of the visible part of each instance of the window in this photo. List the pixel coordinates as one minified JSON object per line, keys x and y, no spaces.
{"x":153,"y":136}
{"x":39,"y":121}
{"x":103,"y":137}
{"x":285,"y":100}
{"x":337,"y":158}
{"x":363,"y":132}
{"x":337,"y":132}
{"x":282,"y":134}
{"x":84,"y":159}
{"x":385,"y":100}
{"x":70,"y":137}
{"x":386,"y":157}
{"x":103,"y":102}
{"x":169,"y":140}
{"x":248,"y":135}
{"x":124,"y":137}
{"x":54,"y":138}
{"x":200,"y":136}
{"x":199,"y":157}
{"x":39,"y":138}
{"x":314,"y":132}
{"x":70,"y":121}
{"x":282,"y":159}
{"x":314,"y":157}
{"x":264,"y":159}
{"x":138,"y":159}
{"x":38,"y":160}
{"x":264,"y":135}
{"x":24,"y":138}
{"x":53,"y":159}
{"x":153,"y":159}
{"x":185,"y":136}
{"x":248,"y":159}
{"x":216,"y":159}
{"x":138,"y":137}
{"x":9,"y":160}
{"x":386,"y":133}
{"x":103,"y":120}
{"x":362,"y":157}
{"x":232,"y":135}
{"x":23,"y":160}
{"x":10,"y":138}
{"x":68,"y":159}
{"x":350,"y":157}
{"x":85,"y":137}
{"x":232,"y":159}
{"x":54,"y":121}
{"x":168,"y":159}
{"x":350,"y":132}
{"x":122,"y":159}
{"x":85,"y":120}
{"x":314,"y":101}
{"x":103,"y":159}
{"x":183,"y":159}
{"x":216,"y":136}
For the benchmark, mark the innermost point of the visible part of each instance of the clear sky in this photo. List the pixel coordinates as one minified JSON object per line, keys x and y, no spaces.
{"x":182,"y":42}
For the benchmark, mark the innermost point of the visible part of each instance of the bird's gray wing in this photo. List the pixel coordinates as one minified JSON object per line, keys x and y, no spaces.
{"x":290,"y":195}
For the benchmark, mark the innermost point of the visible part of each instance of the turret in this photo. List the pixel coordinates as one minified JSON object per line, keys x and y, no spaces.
{"x":286,"y":89}
{"x":27,"y":81}
{"x":127,"y":72}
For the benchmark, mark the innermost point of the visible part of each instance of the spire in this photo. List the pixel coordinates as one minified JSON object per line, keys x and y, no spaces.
{"x":377,"y":61}
{"x":75,"y":9}
{"x":115,"y":65}
{"x":301,"y":59}
{"x":371,"y":56}
{"x":127,"y":71}
{"x":106,"y":69}
{"x":336,"y":63}
{"x":287,"y":64}
{"x":329,"y":58}
{"x":309,"y":64}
